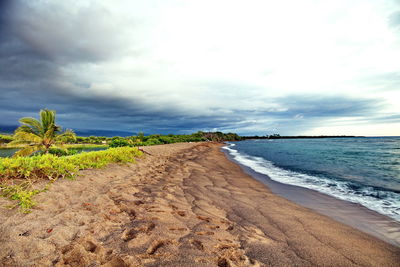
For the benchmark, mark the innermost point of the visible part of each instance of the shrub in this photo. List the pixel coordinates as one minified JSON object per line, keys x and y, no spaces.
{"x":153,"y":141}
{"x":52,"y":167}
{"x":4,"y":139}
{"x":41,"y":166}
{"x":62,"y":152}
{"x":119,"y":142}
{"x":99,"y":159}
{"x":22,"y":194}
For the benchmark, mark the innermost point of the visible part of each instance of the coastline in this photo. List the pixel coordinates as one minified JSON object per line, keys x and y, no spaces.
{"x":183,"y":205}
{"x":352,"y":214}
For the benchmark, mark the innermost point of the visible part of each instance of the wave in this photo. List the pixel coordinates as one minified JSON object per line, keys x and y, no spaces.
{"x":377,"y":199}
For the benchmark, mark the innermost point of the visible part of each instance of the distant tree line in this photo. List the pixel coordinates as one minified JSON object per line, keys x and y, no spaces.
{"x":157,"y":139}
{"x":93,"y":140}
{"x":277,"y":136}
{"x":141,"y":139}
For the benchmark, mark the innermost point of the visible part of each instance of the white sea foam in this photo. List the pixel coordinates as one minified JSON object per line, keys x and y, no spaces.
{"x":384,"y":202}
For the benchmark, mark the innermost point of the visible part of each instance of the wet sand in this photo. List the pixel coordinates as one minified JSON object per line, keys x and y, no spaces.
{"x":183,"y":205}
{"x":352,"y":214}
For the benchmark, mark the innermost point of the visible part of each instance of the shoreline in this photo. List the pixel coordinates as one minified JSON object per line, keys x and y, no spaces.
{"x":183,"y":205}
{"x":349,"y":213}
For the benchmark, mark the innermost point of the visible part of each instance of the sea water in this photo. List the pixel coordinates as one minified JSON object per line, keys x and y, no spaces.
{"x":360,"y":170}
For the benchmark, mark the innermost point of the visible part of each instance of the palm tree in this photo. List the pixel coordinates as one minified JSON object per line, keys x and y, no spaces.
{"x":40,"y":135}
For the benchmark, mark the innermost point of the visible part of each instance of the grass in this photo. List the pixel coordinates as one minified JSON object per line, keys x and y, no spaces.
{"x":51,"y":168}
{"x":4,"y":139}
{"x":76,"y":146}
{"x":23,"y":194}
{"x":79,"y":146}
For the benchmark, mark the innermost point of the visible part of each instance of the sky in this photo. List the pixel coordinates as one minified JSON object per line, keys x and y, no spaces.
{"x":300,"y":67}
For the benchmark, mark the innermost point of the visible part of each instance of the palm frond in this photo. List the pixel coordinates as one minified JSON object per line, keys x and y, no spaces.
{"x":48,"y":120}
{"x":50,"y":133}
{"x":33,"y":124}
{"x":25,"y":129}
{"x":60,"y":146}
{"x":18,"y":142}
{"x":27,"y":151}
{"x":26,"y":137}
{"x":66,"y":136}
{"x":43,"y":132}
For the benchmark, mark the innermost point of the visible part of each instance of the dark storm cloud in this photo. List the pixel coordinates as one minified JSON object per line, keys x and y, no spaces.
{"x":300,"y":113}
{"x":30,"y":74}
{"x":33,"y":48}
{"x":117,"y":113}
{"x":53,"y":30}
{"x":38,"y":41}
{"x":88,"y":112}
{"x":81,"y":111}
{"x":4,"y":10}
{"x":317,"y":106}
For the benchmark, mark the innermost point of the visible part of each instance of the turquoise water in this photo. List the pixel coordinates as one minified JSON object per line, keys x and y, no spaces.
{"x":360,"y":170}
{"x":7,"y":152}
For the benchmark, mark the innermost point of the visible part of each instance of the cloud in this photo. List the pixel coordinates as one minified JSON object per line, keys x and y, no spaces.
{"x":68,"y":33}
{"x":316,"y":106}
{"x":389,"y":81}
{"x":164,"y":68}
{"x":394,"y":19}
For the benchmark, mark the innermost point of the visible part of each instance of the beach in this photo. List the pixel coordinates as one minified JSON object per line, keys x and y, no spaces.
{"x":183,"y":204}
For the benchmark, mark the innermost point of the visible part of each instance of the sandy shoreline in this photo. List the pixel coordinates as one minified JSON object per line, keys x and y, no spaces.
{"x":185,"y":205}
{"x":352,"y":214}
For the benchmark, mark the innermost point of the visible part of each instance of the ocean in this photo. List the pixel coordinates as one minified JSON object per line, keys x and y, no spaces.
{"x":364,"y":170}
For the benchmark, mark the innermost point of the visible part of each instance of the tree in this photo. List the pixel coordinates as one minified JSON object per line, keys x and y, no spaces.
{"x":40,"y":135}
{"x":141,"y":136}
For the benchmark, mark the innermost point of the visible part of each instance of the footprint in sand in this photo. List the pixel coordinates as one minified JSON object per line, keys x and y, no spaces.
{"x":212,"y":227}
{"x":141,"y":227}
{"x":177,"y":229}
{"x":204,"y":218}
{"x":204,"y":233}
{"x":89,"y":246}
{"x":129,"y":234}
{"x":179,"y":212}
{"x":155,"y":245}
{"x":197,"y":244}
{"x":138,"y":202}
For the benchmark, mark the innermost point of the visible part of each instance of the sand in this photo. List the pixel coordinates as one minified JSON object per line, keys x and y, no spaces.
{"x":183,"y":205}
{"x":352,"y":214}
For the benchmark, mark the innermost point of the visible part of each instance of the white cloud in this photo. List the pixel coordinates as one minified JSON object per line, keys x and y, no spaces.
{"x":178,"y":54}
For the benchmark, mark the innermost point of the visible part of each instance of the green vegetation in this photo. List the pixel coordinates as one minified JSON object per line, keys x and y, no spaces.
{"x":22,"y":193}
{"x":220,"y":137}
{"x":5,"y":139}
{"x":51,"y":167}
{"x":62,"y":152}
{"x":47,"y":153}
{"x":40,"y":135}
{"x":142,"y":140}
{"x":120,"y":142}
{"x":157,"y":139}
{"x":92,"y":140}
{"x":83,"y":146}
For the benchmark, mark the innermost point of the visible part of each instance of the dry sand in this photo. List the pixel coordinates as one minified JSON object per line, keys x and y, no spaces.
{"x":184,"y":205}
